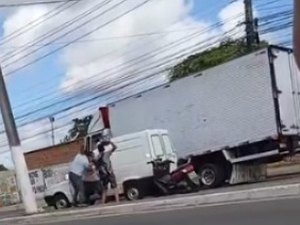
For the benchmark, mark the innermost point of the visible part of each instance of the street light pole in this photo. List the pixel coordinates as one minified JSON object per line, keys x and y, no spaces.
{"x":52,"y":120}
{"x":250,"y":28}
{"x":23,"y":180}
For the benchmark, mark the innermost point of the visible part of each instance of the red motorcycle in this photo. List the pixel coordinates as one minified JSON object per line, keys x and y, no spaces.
{"x":184,"y":179}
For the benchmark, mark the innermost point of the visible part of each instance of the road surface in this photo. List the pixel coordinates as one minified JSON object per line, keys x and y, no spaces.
{"x":275,"y":212}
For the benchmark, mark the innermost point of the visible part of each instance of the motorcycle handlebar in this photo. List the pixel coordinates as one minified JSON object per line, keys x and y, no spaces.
{"x":165,"y":161}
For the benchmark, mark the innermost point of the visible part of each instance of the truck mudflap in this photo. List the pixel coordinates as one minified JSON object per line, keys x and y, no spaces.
{"x":247,"y":173}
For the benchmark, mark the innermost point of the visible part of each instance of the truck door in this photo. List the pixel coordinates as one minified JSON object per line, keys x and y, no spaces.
{"x":287,"y":88}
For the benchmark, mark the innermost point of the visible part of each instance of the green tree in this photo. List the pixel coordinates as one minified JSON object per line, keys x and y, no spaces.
{"x":79,"y":129}
{"x":226,"y":51}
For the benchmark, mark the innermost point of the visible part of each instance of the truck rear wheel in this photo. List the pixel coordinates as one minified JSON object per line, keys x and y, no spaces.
{"x":211,"y":175}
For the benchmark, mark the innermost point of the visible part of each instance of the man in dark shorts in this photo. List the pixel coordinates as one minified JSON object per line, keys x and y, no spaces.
{"x":107,"y":176}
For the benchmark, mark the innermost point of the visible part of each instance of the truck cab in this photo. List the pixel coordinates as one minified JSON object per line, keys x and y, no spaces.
{"x":133,"y":153}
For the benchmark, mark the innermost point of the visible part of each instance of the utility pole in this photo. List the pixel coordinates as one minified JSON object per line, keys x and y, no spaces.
{"x":249,"y":21}
{"x":23,"y":180}
{"x":52,"y":120}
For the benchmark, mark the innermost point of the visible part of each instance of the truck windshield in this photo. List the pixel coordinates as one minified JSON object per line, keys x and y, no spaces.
{"x":157,"y":145}
{"x":168,"y":144}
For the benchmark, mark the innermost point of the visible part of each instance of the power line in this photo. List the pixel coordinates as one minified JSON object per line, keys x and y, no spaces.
{"x":119,"y":16}
{"x":56,"y":30}
{"x":144,"y":56}
{"x":93,"y":60}
{"x":35,"y":3}
{"x":110,"y":38}
{"x":145,"y":78}
{"x":80,"y":37}
{"x":29,"y":26}
{"x":110,"y":53}
{"x":109,"y":84}
{"x":121,"y":68}
{"x":76,"y":39}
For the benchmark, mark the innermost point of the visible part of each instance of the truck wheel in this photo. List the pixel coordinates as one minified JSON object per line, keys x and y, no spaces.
{"x":212,"y":175}
{"x":133,"y":191}
{"x":61,"y":201}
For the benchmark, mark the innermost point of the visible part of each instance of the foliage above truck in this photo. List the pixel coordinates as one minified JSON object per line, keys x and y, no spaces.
{"x":79,"y":129}
{"x":226,"y":51}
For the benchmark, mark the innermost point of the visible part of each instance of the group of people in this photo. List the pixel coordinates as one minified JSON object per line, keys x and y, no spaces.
{"x":91,"y":173}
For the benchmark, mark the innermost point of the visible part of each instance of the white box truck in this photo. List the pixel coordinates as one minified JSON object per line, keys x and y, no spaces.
{"x":130,"y":163}
{"x":232,"y":118}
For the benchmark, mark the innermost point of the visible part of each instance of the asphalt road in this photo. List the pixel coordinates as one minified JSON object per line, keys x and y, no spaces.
{"x":276,"y":212}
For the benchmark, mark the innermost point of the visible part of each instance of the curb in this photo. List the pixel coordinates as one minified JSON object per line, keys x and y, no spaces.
{"x":166,"y":204}
{"x":11,"y":208}
{"x":40,"y":203}
{"x":284,"y":170}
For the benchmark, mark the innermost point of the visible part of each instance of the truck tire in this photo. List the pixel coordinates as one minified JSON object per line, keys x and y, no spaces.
{"x":211,"y":175}
{"x":133,"y":191}
{"x":61,"y":201}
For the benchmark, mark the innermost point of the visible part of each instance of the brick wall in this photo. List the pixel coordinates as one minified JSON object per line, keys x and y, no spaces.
{"x":51,"y":156}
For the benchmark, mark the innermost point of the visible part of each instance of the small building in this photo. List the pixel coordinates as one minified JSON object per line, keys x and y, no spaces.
{"x":53,"y":155}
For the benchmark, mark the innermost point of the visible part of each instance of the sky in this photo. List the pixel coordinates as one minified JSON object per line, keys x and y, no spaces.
{"x":58,"y":56}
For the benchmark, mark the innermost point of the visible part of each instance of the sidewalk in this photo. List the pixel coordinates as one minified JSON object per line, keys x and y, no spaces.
{"x":17,"y":207}
{"x":279,"y":170}
{"x":179,"y":202}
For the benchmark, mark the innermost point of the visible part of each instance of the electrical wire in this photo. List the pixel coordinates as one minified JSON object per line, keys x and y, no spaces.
{"x":57,"y":30}
{"x":110,"y":53}
{"x":62,"y":74}
{"x":143,"y":57}
{"x":35,"y":3}
{"x":76,"y":39}
{"x":94,"y":98}
{"x":34,"y":23}
{"x":130,"y":74}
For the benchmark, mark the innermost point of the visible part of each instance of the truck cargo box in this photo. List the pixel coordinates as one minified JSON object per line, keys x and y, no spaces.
{"x":249,"y":99}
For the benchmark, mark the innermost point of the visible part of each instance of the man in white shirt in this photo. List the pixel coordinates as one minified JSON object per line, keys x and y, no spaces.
{"x":76,"y":171}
